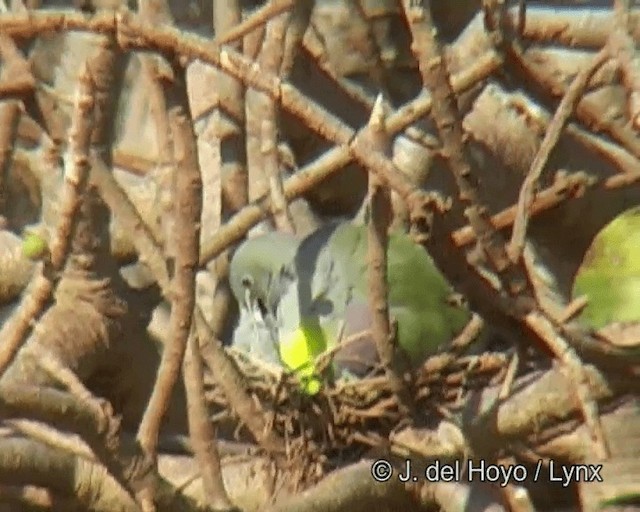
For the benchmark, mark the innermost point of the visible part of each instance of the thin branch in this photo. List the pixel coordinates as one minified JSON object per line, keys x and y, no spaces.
{"x":552,"y":135}
{"x":271,"y":161}
{"x":573,"y":27}
{"x":16,"y":79}
{"x":564,"y":187}
{"x":227,"y":15}
{"x":13,"y":332}
{"x":258,"y":18}
{"x":267,"y":122}
{"x":45,"y":434}
{"x":168,"y":40}
{"x":446,"y":115}
{"x":623,"y":47}
{"x":226,"y":374}
{"x":149,"y":250}
{"x":188,"y":206}
{"x":201,"y":431}
{"x":9,"y":114}
{"x":378,"y":241}
{"x":299,"y":19}
{"x":9,"y":119}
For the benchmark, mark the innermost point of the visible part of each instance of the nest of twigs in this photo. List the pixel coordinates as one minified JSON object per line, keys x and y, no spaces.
{"x":346,"y":418}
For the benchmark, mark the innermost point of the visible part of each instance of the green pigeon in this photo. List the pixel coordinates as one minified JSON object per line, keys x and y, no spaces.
{"x":609,"y":275}
{"x":256,"y":277}
{"x":320,"y":300}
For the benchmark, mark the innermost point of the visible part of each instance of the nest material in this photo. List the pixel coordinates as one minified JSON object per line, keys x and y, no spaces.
{"x":348,"y":417}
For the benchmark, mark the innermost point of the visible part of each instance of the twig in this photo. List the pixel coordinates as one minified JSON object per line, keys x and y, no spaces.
{"x":507,"y":383}
{"x":16,"y":79}
{"x":154,"y":69}
{"x":188,"y":205}
{"x":13,"y":332}
{"x":232,"y":382}
{"x":261,"y":121}
{"x":271,"y":58}
{"x":333,"y":160}
{"x":258,"y":18}
{"x":148,"y":248}
{"x":378,"y":241}
{"x":573,"y":27}
{"x":447,"y":118}
{"x":564,"y":111}
{"x":543,"y":327}
{"x":9,"y":118}
{"x":169,"y":40}
{"x":201,"y":430}
{"x":227,"y":15}
{"x":280,"y":210}
{"x":225,"y":372}
{"x":623,"y":47}
{"x":299,"y":19}
{"x":52,"y":437}
{"x":468,"y":334}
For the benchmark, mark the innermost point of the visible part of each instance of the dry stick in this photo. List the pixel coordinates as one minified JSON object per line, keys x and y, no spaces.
{"x":534,"y":318}
{"x":148,"y":249}
{"x":133,"y":33}
{"x":564,"y":187}
{"x":299,"y":19}
{"x":270,"y":159}
{"x":258,"y":18}
{"x":45,"y":434}
{"x":201,"y":429}
{"x":378,"y":242}
{"x":227,"y":14}
{"x":9,"y":120}
{"x":587,"y":111}
{"x":188,"y":205}
{"x":169,"y":40}
{"x":552,"y":135}
{"x":14,"y":331}
{"x":447,"y":119}
{"x":271,"y":58}
{"x":189,"y":212}
{"x":9,"y":116}
{"x":584,"y":27}
{"x":259,"y":107}
{"x":623,"y":47}
{"x":225,"y":372}
{"x":154,"y":70}
{"x":333,"y":160}
{"x":449,"y":127}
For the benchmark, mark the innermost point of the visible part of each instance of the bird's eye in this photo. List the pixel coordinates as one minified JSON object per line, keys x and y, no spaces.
{"x":246,"y":281}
